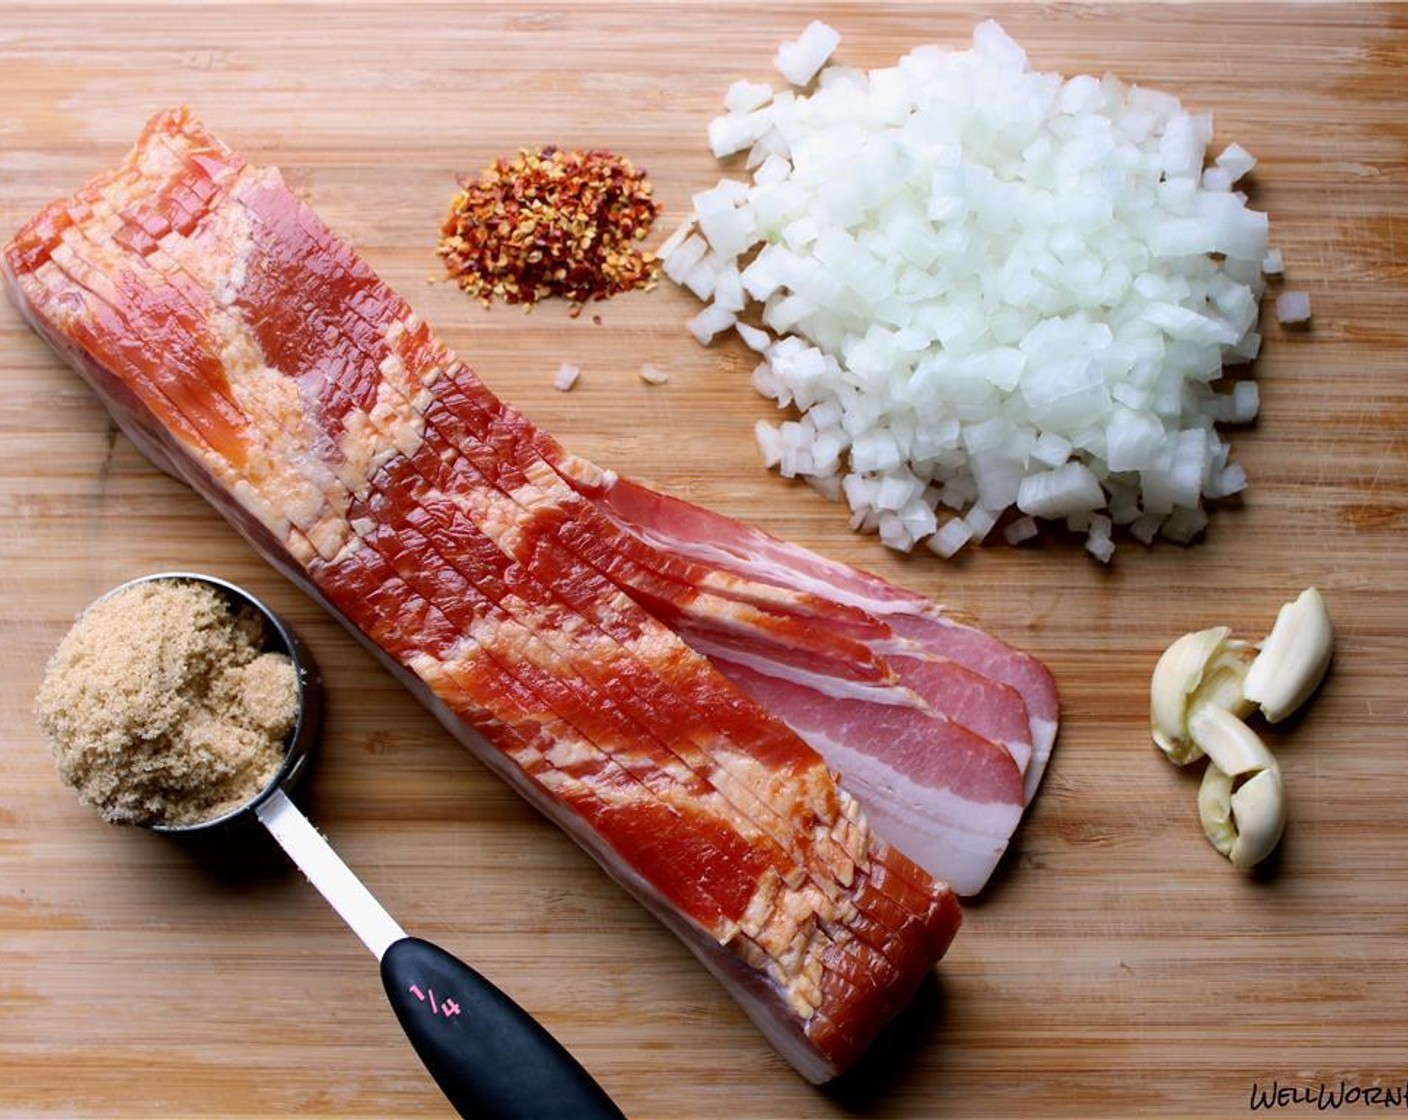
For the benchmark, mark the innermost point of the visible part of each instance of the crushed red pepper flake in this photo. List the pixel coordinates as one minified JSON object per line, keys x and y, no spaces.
{"x":551,"y":223}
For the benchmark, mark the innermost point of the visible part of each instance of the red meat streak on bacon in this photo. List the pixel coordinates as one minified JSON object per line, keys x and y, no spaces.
{"x":461,"y":543}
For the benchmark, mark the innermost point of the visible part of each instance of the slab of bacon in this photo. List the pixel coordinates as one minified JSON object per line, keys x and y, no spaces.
{"x":656,"y":679}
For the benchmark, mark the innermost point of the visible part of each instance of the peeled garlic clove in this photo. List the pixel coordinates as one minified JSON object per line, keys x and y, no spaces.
{"x":1233,"y":747}
{"x":1215,"y":809}
{"x":1259,"y":808}
{"x":1222,"y":683}
{"x":1245,"y":825}
{"x":1293,"y":658}
{"x":1175,"y":677}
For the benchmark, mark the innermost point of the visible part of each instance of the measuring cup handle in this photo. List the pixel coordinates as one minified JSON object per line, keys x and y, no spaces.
{"x":491,"y":1058}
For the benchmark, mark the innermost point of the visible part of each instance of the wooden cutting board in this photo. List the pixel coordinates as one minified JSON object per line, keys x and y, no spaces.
{"x":1117,"y":965}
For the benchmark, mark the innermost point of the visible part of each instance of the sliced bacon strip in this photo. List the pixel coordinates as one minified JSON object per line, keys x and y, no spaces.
{"x":917,"y":625}
{"x":939,"y":791}
{"x":249,"y":352}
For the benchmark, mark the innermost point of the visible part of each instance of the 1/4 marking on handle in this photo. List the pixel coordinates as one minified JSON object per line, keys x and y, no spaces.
{"x":446,"y":1007}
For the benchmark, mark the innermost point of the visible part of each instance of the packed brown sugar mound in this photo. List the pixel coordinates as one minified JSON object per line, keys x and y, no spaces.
{"x":161,"y":708}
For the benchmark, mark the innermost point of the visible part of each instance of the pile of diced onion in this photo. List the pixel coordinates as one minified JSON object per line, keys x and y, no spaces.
{"x":994,"y":297}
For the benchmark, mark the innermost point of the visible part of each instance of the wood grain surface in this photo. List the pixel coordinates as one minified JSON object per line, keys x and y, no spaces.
{"x":1116,"y":967}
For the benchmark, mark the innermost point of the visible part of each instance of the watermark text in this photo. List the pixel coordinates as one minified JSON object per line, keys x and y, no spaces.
{"x":1326,"y":1096}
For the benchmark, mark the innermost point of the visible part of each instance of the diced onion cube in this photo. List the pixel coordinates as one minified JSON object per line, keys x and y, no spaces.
{"x":710,"y":322}
{"x":1022,"y":529}
{"x":952,"y":536}
{"x":798,"y":61}
{"x":1293,"y":307}
{"x":566,"y":377}
{"x":745,"y":96}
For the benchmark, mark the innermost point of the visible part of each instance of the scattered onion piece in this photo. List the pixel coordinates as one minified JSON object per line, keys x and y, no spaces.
{"x":1293,"y":307}
{"x":799,"y":61}
{"x":566,"y":377}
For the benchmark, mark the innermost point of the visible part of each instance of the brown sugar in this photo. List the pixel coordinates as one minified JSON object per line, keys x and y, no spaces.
{"x":161,"y":708}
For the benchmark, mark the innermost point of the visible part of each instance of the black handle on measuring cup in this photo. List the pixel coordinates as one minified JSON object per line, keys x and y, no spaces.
{"x":491,"y":1058}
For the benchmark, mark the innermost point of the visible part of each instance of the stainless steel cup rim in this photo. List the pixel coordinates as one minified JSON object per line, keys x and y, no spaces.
{"x":279,"y":637}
